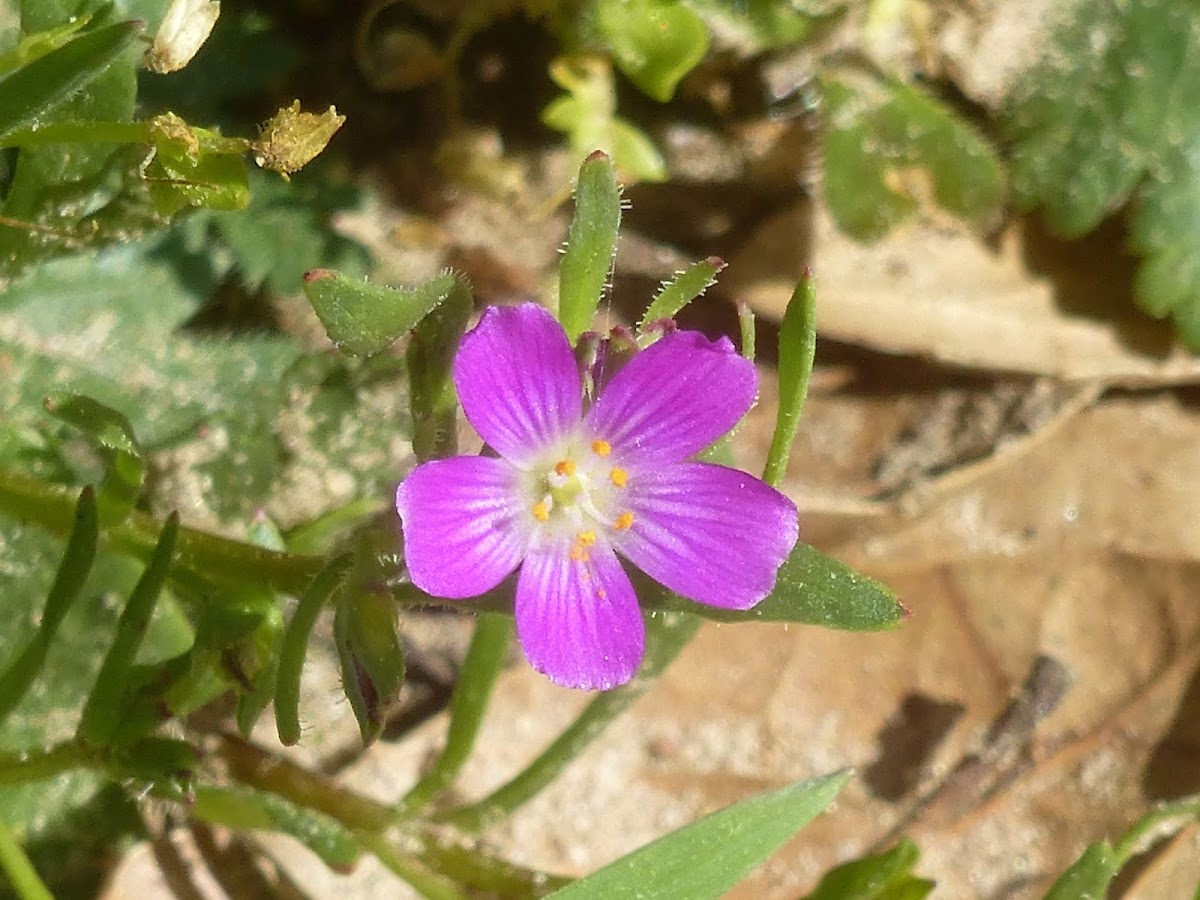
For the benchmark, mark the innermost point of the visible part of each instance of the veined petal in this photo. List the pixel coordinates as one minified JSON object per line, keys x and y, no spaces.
{"x":461,"y":531}
{"x":518,"y":381}
{"x":578,"y":621}
{"x":710,"y":533}
{"x":674,"y":398}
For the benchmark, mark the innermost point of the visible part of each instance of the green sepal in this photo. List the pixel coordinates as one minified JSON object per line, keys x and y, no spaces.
{"x":166,"y":766}
{"x":77,"y":560}
{"x":587,"y":261}
{"x":430,"y":364}
{"x":363,"y":318}
{"x":880,"y":876}
{"x":103,"y":711}
{"x":681,"y":290}
{"x":797,"y":348}
{"x":812,"y":589}
{"x":112,"y":431}
{"x":371,"y":657}
{"x":37,"y":87}
{"x":709,"y":857}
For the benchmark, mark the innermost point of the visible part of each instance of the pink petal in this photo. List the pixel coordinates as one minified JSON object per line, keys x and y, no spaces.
{"x":518,"y":381}
{"x":712,"y":534}
{"x":461,"y":533}
{"x":579,"y":622}
{"x":674,"y":398}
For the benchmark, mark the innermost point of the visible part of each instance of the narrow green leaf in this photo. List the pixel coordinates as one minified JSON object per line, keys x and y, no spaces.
{"x":587,"y":261}
{"x":654,"y":42}
{"x":113,"y":432}
{"x":812,"y":589}
{"x":295,"y":645}
{"x":707,"y":858}
{"x":19,"y":870}
{"x":371,"y":657}
{"x":73,"y":571}
{"x":797,"y":347}
{"x":243,"y":808}
{"x":881,"y":876}
{"x":35,"y":46}
{"x":682,"y":290}
{"x":1089,"y":877}
{"x":102,"y":712}
{"x":36,"y":88}
{"x":363,"y":318}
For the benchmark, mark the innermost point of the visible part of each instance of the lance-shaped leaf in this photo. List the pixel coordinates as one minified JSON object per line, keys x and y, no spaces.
{"x":72,"y":573}
{"x":587,"y":261}
{"x":811,"y":589}
{"x":295,"y":645}
{"x":682,"y":290}
{"x":102,"y":713}
{"x":363,"y":318}
{"x":42,"y":84}
{"x":114,"y":433}
{"x":707,"y":858}
{"x":34,"y":46}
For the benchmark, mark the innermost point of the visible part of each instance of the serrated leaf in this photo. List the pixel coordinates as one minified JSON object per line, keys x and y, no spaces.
{"x":587,"y":261}
{"x":814,"y":589}
{"x":654,"y":42}
{"x":1093,"y":115}
{"x":707,"y":858}
{"x":887,"y":144}
{"x":881,"y":876}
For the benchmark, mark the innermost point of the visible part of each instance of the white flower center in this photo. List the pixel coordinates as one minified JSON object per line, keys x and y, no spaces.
{"x":576,"y":492}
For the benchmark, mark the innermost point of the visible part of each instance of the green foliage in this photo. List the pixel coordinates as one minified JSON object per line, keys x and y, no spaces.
{"x":1111,"y":108}
{"x":886,"y":143}
{"x":757,"y":25}
{"x":708,"y":857}
{"x":587,"y":114}
{"x":587,"y":260}
{"x":797,"y":349}
{"x":881,"y":876}
{"x":654,"y":42}
{"x":680,"y":291}
{"x":812,"y":589}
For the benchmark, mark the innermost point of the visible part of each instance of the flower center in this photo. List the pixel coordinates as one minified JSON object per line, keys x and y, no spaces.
{"x":579,"y":492}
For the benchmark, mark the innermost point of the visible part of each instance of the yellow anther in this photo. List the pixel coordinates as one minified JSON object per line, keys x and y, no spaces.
{"x":541,"y":511}
{"x":586,"y":538}
{"x":565,"y":468}
{"x":601,"y":447}
{"x":619,"y":477}
{"x":624,"y":521}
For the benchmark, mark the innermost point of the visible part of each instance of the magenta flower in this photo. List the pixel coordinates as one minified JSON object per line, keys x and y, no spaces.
{"x":573,"y":488}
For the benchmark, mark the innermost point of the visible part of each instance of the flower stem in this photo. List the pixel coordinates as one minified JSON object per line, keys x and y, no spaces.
{"x":666,"y":636}
{"x":43,"y":764}
{"x":470,"y":866}
{"x":430,"y":884}
{"x":52,"y":507}
{"x":485,"y":659}
{"x":1130,"y":844}
{"x":20,"y":871}
{"x":277,"y":775}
